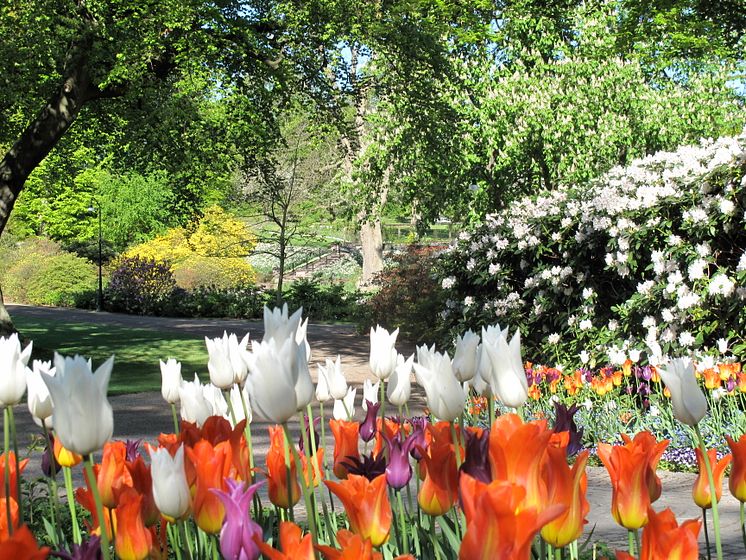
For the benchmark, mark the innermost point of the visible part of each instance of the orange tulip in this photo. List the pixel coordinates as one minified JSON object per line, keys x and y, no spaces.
{"x":354,"y":547}
{"x":566,"y":486}
{"x":293,"y":544}
{"x":345,"y":444}
{"x":84,"y":497}
{"x":391,"y":427}
{"x":367,"y":506}
{"x":14,"y":517}
{"x":142,"y":481}
{"x":737,"y":478}
{"x":112,"y":474}
{"x":65,"y":457}
{"x":664,"y":539}
{"x":632,"y":472}
{"x":212,"y":466}
{"x":13,"y":475}
{"x":518,"y":453}
{"x":133,"y":541}
{"x":22,"y":546}
{"x":439,"y":490}
{"x":277,"y":473}
{"x":701,"y":488}
{"x":499,"y":524}
{"x":313,"y":470}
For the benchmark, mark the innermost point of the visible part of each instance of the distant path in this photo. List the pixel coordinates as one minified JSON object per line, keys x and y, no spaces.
{"x":326,"y":340}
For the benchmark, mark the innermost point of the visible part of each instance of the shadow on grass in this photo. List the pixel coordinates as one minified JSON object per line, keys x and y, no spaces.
{"x":136,"y":351}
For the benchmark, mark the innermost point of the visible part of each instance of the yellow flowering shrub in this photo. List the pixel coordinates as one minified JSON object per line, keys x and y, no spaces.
{"x":212,"y":253}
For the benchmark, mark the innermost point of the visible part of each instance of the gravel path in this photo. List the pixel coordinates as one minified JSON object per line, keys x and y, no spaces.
{"x":144,"y":416}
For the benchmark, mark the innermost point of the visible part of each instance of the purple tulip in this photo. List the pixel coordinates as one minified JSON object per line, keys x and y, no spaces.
{"x":316,"y":423}
{"x":419,"y":423}
{"x":48,"y":459}
{"x":730,"y":384}
{"x":237,"y":534}
{"x":398,"y":470}
{"x":646,"y":373}
{"x":368,"y":427}
{"x":477,"y":461}
{"x":366,"y":465}
{"x":565,"y":422}
{"x":133,"y":449}
{"x":89,"y":550}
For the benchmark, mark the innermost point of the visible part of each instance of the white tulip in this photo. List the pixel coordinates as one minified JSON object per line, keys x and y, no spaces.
{"x":278,"y":325}
{"x":39,"y":399}
{"x":335,"y":379}
{"x":370,"y":392}
{"x":227,"y":364}
{"x":301,"y":337}
{"x":238,"y":404}
{"x":445,"y":395}
{"x":344,"y":409}
{"x":13,"y":364}
{"x":274,"y":377}
{"x":216,"y":399}
{"x":170,"y":380}
{"x":465,"y":356}
{"x":383,"y":355}
{"x":194,"y":406}
{"x":170,"y":488}
{"x":83,"y":418}
{"x":507,"y":376}
{"x":304,"y":389}
{"x":688,"y":401}
{"x":322,"y":386}
{"x":478,"y":383}
{"x":399,"y":385}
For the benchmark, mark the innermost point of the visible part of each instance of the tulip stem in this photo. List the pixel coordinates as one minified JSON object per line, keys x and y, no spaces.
{"x":257,"y":500}
{"x":6,"y":470}
{"x":227,"y":395}
{"x":185,"y":539}
{"x":311,"y":463}
{"x":54,"y":504}
{"x":490,"y":407}
{"x":289,"y":475}
{"x":631,"y":542}
{"x":707,"y":536}
{"x":382,"y":400}
{"x":404,"y":536}
{"x":743,"y":523}
{"x":713,"y":495}
{"x":99,"y":507}
{"x":175,"y":417}
{"x":17,"y":465}
{"x":67,"y":473}
{"x":456,"y":444}
{"x":310,"y":514}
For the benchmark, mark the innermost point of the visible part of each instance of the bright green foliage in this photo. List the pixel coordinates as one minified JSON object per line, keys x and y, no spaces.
{"x":39,"y":272}
{"x":213,"y":253}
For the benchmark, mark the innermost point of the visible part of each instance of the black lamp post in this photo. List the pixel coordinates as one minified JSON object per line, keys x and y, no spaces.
{"x":100,"y":293}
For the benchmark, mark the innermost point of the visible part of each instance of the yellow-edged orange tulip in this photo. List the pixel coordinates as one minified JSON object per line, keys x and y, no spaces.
{"x":664,"y":539}
{"x":499,"y":525}
{"x":354,"y":547}
{"x":112,"y":475}
{"x":212,"y":465}
{"x":366,"y":504}
{"x":346,"y":436}
{"x":439,"y":490}
{"x":566,"y":486}
{"x":701,"y":489}
{"x":65,"y":457}
{"x":293,"y":545}
{"x":634,"y":483}
{"x":737,"y":478}
{"x":133,"y":541}
{"x":518,"y":453}
{"x":277,"y":473}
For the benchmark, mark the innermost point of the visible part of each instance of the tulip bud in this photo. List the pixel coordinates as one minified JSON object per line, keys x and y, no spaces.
{"x":399,"y":386}
{"x":13,"y":363}
{"x":465,"y":356}
{"x":39,"y":400}
{"x":83,"y":418}
{"x":335,"y":379}
{"x":227,"y":364}
{"x":370,"y":392}
{"x":170,"y":380}
{"x":383,"y":355}
{"x":170,"y":488}
{"x":445,"y":395}
{"x":194,"y":406}
{"x":344,"y":409}
{"x":689,"y":404}
{"x":507,"y":377}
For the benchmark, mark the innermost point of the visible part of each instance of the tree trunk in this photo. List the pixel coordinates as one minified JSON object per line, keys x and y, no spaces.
{"x":6,"y":324}
{"x":41,"y":135}
{"x":371,"y":239}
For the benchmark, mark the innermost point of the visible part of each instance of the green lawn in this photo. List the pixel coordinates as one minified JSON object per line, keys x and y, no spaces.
{"x":137,"y":351}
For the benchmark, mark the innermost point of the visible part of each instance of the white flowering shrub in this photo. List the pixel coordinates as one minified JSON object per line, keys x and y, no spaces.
{"x":651,"y":254}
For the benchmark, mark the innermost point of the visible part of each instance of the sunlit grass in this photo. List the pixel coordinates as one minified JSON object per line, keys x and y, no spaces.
{"x":136,"y":351}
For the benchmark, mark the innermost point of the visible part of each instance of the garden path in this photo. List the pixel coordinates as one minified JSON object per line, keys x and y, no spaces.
{"x":144,"y":415}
